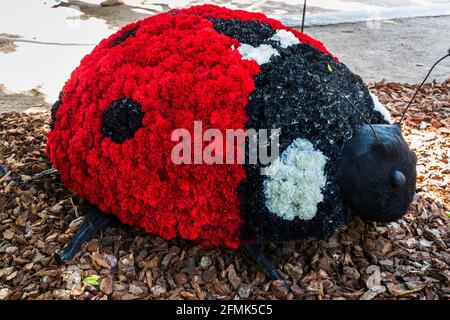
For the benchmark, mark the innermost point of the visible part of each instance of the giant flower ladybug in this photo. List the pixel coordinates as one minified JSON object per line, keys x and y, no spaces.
{"x":111,"y":138}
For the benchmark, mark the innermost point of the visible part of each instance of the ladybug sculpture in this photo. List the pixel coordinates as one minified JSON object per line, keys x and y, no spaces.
{"x":112,"y":134}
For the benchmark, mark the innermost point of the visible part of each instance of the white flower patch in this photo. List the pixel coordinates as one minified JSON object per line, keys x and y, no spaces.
{"x":380,"y":108}
{"x":294,"y":183}
{"x":261,"y":54}
{"x":285,"y":38}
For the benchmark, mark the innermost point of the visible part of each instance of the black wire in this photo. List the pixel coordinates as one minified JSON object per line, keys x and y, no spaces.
{"x":417,"y":90}
{"x":362,"y":115}
{"x":303,"y":17}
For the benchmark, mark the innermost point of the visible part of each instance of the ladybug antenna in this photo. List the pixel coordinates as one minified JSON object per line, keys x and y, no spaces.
{"x":361,"y":114}
{"x":303,"y":15}
{"x":418,"y":88}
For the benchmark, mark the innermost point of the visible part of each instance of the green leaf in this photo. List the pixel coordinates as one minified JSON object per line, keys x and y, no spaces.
{"x":329,"y":68}
{"x":92,"y":280}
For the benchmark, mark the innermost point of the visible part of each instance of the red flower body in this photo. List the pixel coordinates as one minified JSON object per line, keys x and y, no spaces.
{"x":179,"y":69}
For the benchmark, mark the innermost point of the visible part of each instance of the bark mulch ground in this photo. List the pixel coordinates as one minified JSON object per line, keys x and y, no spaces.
{"x":407,"y":259}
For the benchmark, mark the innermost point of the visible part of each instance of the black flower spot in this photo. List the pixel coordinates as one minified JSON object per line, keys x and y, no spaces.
{"x":54,"y":109}
{"x":125,"y":36}
{"x":121,"y":120}
{"x":251,"y":32}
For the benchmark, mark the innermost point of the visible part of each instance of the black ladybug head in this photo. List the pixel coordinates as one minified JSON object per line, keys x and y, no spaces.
{"x":378,"y":176}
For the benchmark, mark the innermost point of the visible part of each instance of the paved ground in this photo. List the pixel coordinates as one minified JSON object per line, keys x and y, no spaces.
{"x":41,"y":45}
{"x":399,"y":50}
{"x":320,"y":12}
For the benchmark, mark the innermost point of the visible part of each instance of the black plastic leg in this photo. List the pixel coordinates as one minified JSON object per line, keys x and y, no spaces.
{"x":256,"y":253}
{"x":44,"y":173}
{"x":3,"y":170}
{"x":94,"y":221}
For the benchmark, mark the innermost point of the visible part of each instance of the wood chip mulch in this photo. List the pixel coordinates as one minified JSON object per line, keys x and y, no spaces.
{"x":407,"y":259}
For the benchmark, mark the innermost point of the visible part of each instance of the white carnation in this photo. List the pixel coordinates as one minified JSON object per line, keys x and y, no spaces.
{"x":380,"y":108}
{"x":261,"y":54}
{"x":294,"y":183}
{"x":285,"y":38}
